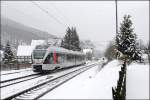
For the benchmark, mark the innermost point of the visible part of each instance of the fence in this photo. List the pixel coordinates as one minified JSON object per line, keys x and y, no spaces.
{"x":119,"y":92}
{"x":14,"y":66}
{"x":24,"y":59}
{"x":18,"y":63}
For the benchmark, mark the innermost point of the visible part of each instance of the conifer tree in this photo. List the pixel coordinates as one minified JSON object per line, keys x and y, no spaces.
{"x":126,"y":41}
{"x":1,"y":47}
{"x":8,"y":54}
{"x":65,"y":43}
{"x":147,"y":50}
{"x":110,"y":51}
{"x":71,"y":40}
{"x":75,"y":40}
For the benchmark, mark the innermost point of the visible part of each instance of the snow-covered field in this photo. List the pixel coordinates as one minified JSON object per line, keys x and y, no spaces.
{"x":95,"y":83}
{"x":92,"y":84}
{"x":137,"y":83}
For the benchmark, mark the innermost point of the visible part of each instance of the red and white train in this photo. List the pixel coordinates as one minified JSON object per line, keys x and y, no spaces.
{"x":50,"y":58}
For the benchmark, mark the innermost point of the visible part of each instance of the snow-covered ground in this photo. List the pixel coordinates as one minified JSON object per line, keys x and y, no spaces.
{"x":137,"y":83}
{"x":16,"y":74}
{"x":92,"y":84}
{"x":15,"y":71}
{"x":16,"y":88}
{"x":95,"y":83}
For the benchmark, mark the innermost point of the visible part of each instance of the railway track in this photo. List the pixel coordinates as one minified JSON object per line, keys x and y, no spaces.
{"x":21,"y":79}
{"x":17,"y":80}
{"x":12,"y":81}
{"x":15,"y":72}
{"x":36,"y":91}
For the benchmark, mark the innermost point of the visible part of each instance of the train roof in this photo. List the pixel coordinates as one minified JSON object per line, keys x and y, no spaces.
{"x":63,"y":50}
{"x":57,"y":49}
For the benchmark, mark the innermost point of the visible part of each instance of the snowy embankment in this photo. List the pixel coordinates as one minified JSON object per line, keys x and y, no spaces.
{"x":15,"y":71}
{"x":92,"y":84}
{"x":19,"y":87}
{"x":137,"y":83}
{"x":7,"y":75}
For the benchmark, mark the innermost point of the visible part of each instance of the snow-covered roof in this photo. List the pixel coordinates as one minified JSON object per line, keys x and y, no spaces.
{"x":87,"y":50}
{"x":25,"y":50}
{"x":1,"y":52}
{"x":37,"y":42}
{"x":55,"y":42}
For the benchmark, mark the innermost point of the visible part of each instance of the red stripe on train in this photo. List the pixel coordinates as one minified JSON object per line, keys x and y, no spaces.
{"x":54,"y":57}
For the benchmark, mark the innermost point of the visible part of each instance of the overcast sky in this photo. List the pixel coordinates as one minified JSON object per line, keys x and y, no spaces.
{"x":94,"y":20}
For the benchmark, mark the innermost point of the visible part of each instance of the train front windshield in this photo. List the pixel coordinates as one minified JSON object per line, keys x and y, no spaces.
{"x":38,"y":54}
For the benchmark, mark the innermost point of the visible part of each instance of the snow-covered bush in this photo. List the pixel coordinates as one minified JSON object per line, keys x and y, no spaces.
{"x":110,"y":52}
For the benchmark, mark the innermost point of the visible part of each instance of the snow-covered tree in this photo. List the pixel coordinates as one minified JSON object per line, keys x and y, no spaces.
{"x":110,"y":51}
{"x":147,"y":49}
{"x":75,"y":42}
{"x":126,"y":41}
{"x":89,"y":55}
{"x":71,"y":40}
{"x":8,"y":54}
{"x":1,"y":47}
{"x":65,"y":43}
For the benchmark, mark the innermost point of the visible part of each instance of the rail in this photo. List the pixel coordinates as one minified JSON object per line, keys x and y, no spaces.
{"x":18,"y":80}
{"x":49,"y":84}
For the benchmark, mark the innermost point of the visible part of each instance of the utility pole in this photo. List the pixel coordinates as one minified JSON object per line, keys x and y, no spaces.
{"x":116,"y":27}
{"x":116,"y":17}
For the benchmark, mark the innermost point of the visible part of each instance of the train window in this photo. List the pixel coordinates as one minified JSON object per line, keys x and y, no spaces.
{"x":73,"y":58}
{"x":60,"y":58}
{"x":70,"y":57}
{"x":38,"y":54}
{"x":49,"y":59}
{"x":63,"y":58}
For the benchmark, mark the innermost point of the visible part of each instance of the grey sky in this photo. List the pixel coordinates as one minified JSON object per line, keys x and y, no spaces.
{"x":94,"y":20}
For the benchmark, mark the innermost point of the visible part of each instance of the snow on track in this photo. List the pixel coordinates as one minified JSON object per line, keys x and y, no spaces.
{"x":41,"y":90}
{"x":17,"y":88}
{"x":19,"y":80}
{"x":92,"y":84}
{"x":137,"y":83}
{"x":14,"y":71}
{"x":16,"y":75}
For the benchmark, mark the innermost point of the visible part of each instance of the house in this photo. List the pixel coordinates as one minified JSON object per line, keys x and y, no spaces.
{"x":54,"y":41}
{"x":1,"y":55}
{"x":88,"y":53}
{"x":24,"y":53}
{"x":37,"y":42}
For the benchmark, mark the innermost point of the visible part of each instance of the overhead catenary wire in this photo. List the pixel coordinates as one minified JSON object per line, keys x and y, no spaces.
{"x":50,"y":15}
{"x":29,"y":16}
{"x":116,"y":6}
{"x":60,"y":12}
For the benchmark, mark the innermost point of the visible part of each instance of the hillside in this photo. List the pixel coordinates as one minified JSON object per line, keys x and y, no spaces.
{"x":18,"y":33}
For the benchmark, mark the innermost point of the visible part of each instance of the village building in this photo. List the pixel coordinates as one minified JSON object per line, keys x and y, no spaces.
{"x":24,"y":52}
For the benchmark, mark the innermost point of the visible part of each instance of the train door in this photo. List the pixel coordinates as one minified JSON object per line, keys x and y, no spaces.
{"x":54,"y":57}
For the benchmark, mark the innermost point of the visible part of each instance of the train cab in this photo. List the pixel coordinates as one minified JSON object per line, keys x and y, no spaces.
{"x":54,"y":58}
